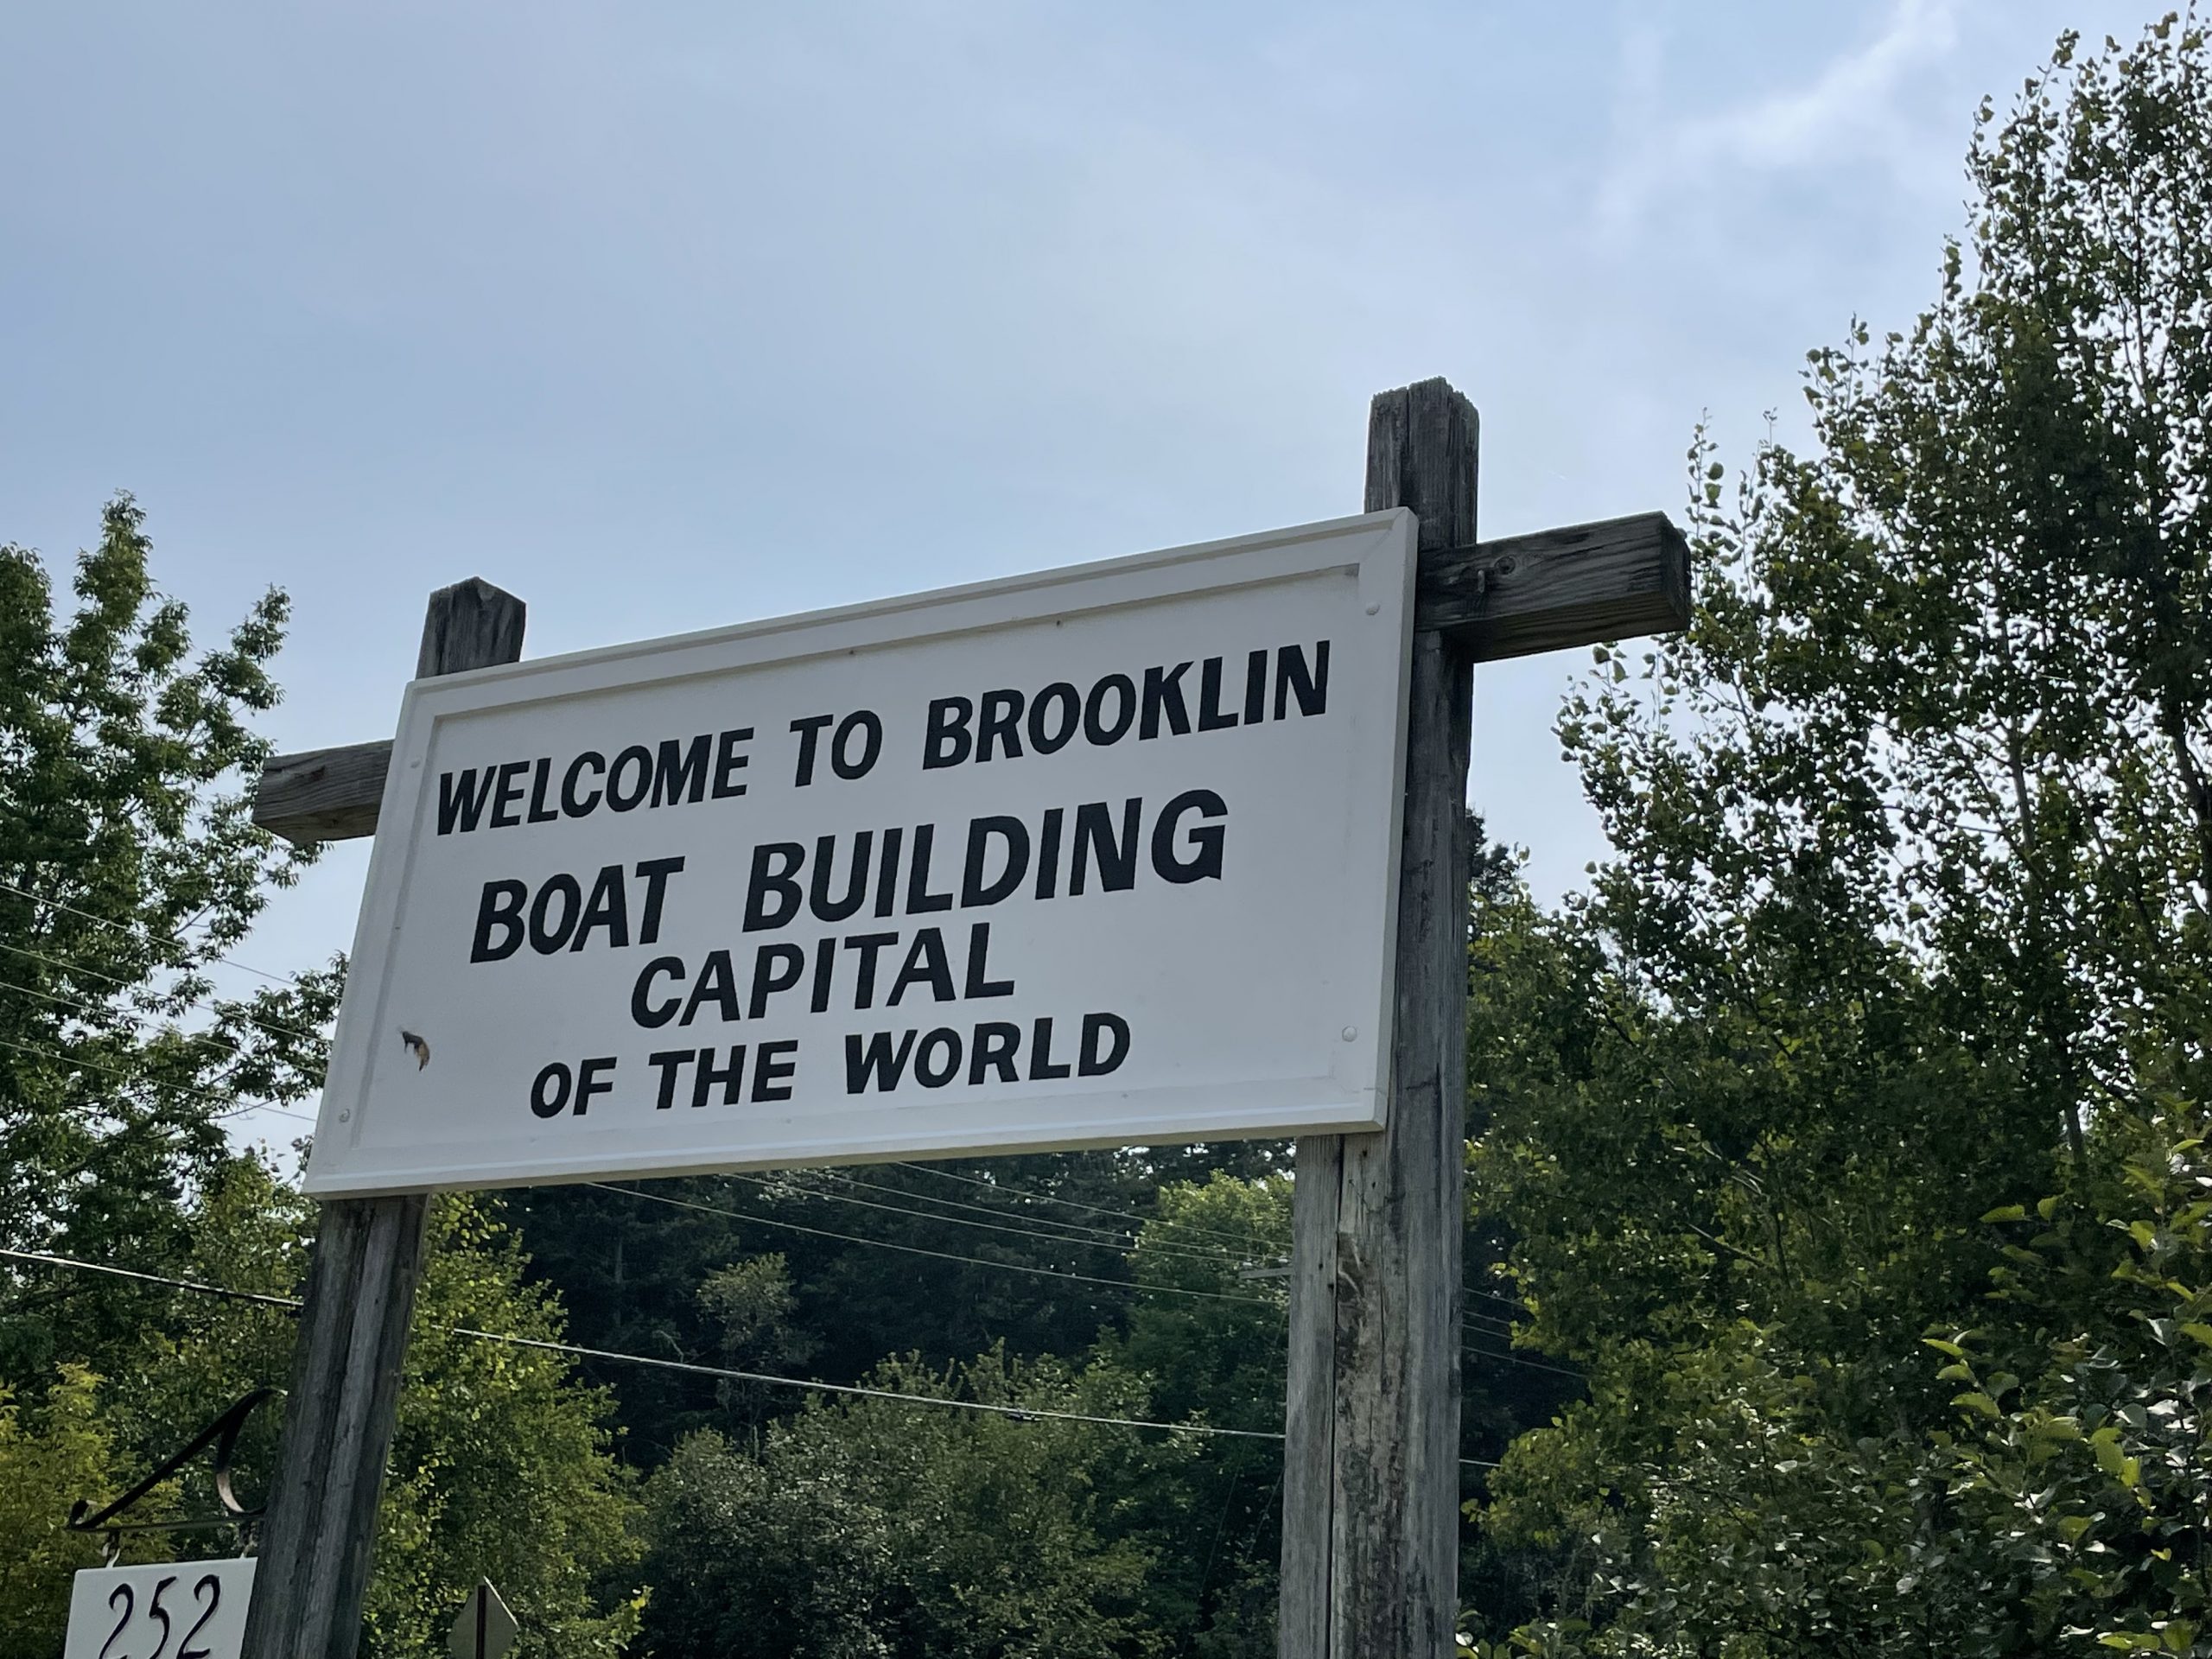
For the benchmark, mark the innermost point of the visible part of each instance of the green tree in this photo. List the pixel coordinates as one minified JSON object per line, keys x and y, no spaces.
{"x":868,"y":1528}
{"x":1913,"y":840}
{"x":128,"y":866}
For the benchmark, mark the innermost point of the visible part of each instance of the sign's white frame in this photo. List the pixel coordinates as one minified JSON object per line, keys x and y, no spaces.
{"x":1377,"y":550}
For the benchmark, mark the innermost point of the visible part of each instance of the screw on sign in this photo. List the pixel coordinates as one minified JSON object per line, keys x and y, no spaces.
{"x":484,"y":1629}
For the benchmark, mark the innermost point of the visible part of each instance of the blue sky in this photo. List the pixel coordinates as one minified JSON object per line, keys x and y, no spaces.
{"x":670,"y":316}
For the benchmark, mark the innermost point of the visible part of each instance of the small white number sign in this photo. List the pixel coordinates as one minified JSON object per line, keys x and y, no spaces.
{"x":168,"y":1610}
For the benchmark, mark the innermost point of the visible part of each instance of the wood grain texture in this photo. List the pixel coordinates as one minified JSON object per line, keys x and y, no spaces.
{"x":324,"y":794}
{"x":1371,"y":1483}
{"x":319,"y":1539}
{"x":1558,"y":589}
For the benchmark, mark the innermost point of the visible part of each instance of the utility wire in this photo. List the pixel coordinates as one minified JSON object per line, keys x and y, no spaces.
{"x":137,"y":1020}
{"x":1241,"y":1241}
{"x":941,"y":1255}
{"x":1119,"y":1246}
{"x":1245,"y":1242}
{"x":1118,"y":1236}
{"x":292,"y":1303}
{"x":236,"y":1105}
{"x":147,"y":933}
{"x":133,"y":985}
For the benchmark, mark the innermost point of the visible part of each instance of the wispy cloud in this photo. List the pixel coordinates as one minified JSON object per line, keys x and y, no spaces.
{"x":1851,"y":112}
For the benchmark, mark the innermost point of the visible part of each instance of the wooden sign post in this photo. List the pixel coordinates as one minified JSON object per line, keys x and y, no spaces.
{"x":1371,"y":1463}
{"x":352,"y":1347}
{"x":1371,"y":1466}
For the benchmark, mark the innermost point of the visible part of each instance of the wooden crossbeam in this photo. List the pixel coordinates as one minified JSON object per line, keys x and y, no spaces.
{"x":1585,"y":585}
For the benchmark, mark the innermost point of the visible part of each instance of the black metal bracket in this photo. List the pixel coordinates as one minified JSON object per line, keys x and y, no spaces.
{"x":223,"y":1435}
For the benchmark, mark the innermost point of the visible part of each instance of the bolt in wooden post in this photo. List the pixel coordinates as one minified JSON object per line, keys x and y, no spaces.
{"x":1371,"y":1464}
{"x":320,"y":1536}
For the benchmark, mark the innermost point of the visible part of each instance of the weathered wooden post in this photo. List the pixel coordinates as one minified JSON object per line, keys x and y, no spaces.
{"x":1371,"y":1466}
{"x":321,"y":1531}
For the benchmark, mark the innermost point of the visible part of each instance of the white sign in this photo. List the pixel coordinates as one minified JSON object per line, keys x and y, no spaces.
{"x":186,"y":1610}
{"x":1102,"y":856}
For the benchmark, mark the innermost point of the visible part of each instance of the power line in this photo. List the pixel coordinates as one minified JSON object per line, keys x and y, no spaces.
{"x":1119,"y":1236}
{"x":1243,"y":1241}
{"x":149,"y":934}
{"x":1120,"y":1246}
{"x":941,"y":1255}
{"x":137,"y":1020}
{"x":1515,"y":1359}
{"x":132,"y":985}
{"x":292,"y":1303}
{"x":236,"y":1105}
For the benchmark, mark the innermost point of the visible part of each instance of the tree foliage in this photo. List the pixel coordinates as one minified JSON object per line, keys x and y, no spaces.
{"x":1906,"y":925}
{"x":128,"y":868}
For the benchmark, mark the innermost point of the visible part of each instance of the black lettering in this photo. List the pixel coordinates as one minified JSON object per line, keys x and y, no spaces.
{"x":1256,"y":687}
{"x":1205,"y":861}
{"x":825,"y":857}
{"x":974,"y":888}
{"x":947,"y":742}
{"x":553,"y":1104}
{"x":539,"y":778}
{"x":1096,"y":729}
{"x":1295,"y":679}
{"x":1001,"y":713}
{"x":1041,"y":1069}
{"x":656,"y":872}
{"x":1163,"y":695}
{"x":946,"y":1042}
{"x":1091,"y":1063}
{"x":980,"y":983}
{"x":809,"y":727}
{"x":653,"y":1016}
{"x":864,"y":721}
{"x":825,"y":963}
{"x":731,"y":1077}
{"x":869,"y":946}
{"x":1210,"y":715}
{"x":730,"y":760}
{"x":774,"y":1065}
{"x":640,"y":759}
{"x":508,"y":795}
{"x":500,"y":907}
{"x":671,"y":1062}
{"x":717,"y":984}
{"x":919,"y":898}
{"x":877,"y":1062}
{"x":1044,"y":739}
{"x":775,"y":968}
{"x":462,"y":796}
{"x":925,"y":964}
{"x":608,"y":907}
{"x":680,"y":774}
{"x":773,"y":898}
{"x":887,"y":871}
{"x":545,"y":937}
{"x":588,"y":1082}
{"x":1094,"y":840}
{"x":1048,"y":853}
{"x":575,"y":805}
{"x":996,"y":1044}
